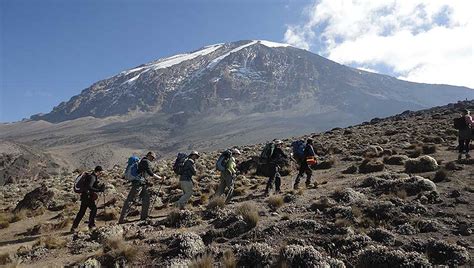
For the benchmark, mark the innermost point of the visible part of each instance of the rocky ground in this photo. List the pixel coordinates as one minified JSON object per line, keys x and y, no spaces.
{"x":389,"y":192}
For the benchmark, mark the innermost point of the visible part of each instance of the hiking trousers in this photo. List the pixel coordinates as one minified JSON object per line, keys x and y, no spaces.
{"x":187,"y":187}
{"x":137,"y":188}
{"x":274,"y":178}
{"x":226,"y":182}
{"x":304,"y":169}
{"x":464,"y":146}
{"x":87,"y":201}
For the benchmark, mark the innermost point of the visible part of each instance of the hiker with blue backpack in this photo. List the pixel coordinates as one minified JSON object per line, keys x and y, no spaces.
{"x":227,"y":165}
{"x":185,"y":167}
{"x":305,"y":158}
{"x":137,"y":172}
{"x":87,"y":184}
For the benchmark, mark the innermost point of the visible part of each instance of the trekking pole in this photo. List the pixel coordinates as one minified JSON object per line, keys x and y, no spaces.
{"x":105,"y":211}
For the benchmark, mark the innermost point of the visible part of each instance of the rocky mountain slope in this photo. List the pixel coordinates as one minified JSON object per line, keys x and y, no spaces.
{"x":387,"y":193}
{"x":220,"y":95}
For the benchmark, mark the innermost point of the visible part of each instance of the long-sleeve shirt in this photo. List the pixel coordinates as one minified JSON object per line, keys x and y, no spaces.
{"x":92,"y":183}
{"x":189,"y":170}
{"x":278,"y":155}
{"x":309,"y":151}
{"x":231,"y":165}
{"x":144,"y":168}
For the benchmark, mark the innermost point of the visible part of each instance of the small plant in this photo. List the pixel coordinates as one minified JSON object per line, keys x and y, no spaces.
{"x":440,"y":175}
{"x":50,"y":242}
{"x":275,"y":202}
{"x":250,"y":213}
{"x":5,"y":259}
{"x":217,"y":202}
{"x":205,"y":261}
{"x":239,"y":191}
{"x":429,"y":149}
{"x":118,"y":248}
{"x":228,"y":259}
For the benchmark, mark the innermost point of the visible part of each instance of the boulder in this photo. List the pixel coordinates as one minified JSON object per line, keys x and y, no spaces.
{"x":39,"y":197}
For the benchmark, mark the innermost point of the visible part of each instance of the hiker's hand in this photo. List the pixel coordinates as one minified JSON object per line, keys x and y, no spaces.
{"x":102,"y":188}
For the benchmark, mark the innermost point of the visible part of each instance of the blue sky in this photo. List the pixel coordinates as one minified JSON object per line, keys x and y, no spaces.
{"x":51,"y":50}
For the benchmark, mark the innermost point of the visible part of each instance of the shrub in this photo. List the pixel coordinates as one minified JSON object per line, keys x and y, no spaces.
{"x":249,"y":212}
{"x":275,"y":202}
{"x":217,"y":202}
{"x":421,"y":164}
{"x":429,"y":149}
{"x":228,"y":259}
{"x":4,"y":224}
{"x":369,"y":166}
{"x":440,"y":175}
{"x":117,"y":248}
{"x":205,"y":261}
{"x":5,"y":258}
{"x":50,"y":242}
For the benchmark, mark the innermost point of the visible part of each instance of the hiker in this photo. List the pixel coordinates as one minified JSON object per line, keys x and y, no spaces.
{"x":304,"y":167}
{"x":277,"y":158}
{"x":89,"y":187}
{"x":140,"y":186}
{"x":186,"y":179}
{"x":464,"y":134}
{"x":228,"y":174}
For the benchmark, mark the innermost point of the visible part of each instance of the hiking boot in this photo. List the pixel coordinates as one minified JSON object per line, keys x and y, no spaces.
{"x":296,"y":186}
{"x":73,"y":229}
{"x":92,"y":227}
{"x":459,"y":156}
{"x":308,"y":184}
{"x":468,"y":156}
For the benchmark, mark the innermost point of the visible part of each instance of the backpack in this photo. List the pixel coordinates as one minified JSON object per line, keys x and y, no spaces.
{"x":267,"y":152}
{"x":298,"y":149}
{"x":80,"y":183}
{"x":221,"y":164}
{"x":179,"y":163}
{"x":131,"y":172}
{"x":460,"y":123}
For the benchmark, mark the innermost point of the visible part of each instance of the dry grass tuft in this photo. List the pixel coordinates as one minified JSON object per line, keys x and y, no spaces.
{"x":217,"y":202}
{"x":118,"y":248}
{"x":440,"y":175}
{"x":249,"y":212}
{"x":5,"y":259}
{"x":228,"y":259}
{"x":275,"y":202}
{"x":205,"y":261}
{"x":50,"y":242}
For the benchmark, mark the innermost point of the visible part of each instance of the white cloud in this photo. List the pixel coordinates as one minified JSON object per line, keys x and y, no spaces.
{"x":427,"y":41}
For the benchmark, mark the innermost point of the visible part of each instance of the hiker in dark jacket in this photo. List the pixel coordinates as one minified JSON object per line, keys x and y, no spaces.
{"x":277,"y":159}
{"x":140,"y":186}
{"x":465,"y":135}
{"x":88,"y":197}
{"x":304,"y":167}
{"x":186,"y":179}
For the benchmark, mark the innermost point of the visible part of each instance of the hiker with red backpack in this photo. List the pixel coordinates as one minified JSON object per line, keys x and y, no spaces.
{"x":140,"y":185}
{"x":226,"y":164}
{"x":87,"y":184}
{"x":464,"y":124}
{"x":304,"y":160}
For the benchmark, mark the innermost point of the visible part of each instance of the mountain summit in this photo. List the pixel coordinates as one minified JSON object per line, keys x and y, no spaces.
{"x":247,"y":77}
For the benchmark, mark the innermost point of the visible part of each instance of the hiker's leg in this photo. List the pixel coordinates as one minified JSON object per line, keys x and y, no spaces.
{"x":461,"y":146}
{"x":222,"y":185}
{"x":300,"y":174}
{"x":145,"y":196}
{"x":93,"y":207}
{"x":231,"y":189}
{"x":309,"y":173}
{"x":126,"y":204}
{"x":466,"y":145}
{"x":81,"y":212}
{"x":277,"y":182}
{"x":187,"y":187}
{"x":269,"y":183}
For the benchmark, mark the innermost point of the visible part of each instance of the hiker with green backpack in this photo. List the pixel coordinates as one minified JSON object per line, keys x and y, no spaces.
{"x":275,"y":157}
{"x":140,"y":184}
{"x":226,"y":164}
{"x":87,"y":184}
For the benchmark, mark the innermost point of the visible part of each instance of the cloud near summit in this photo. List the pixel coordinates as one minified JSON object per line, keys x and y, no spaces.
{"x":428,"y":41}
